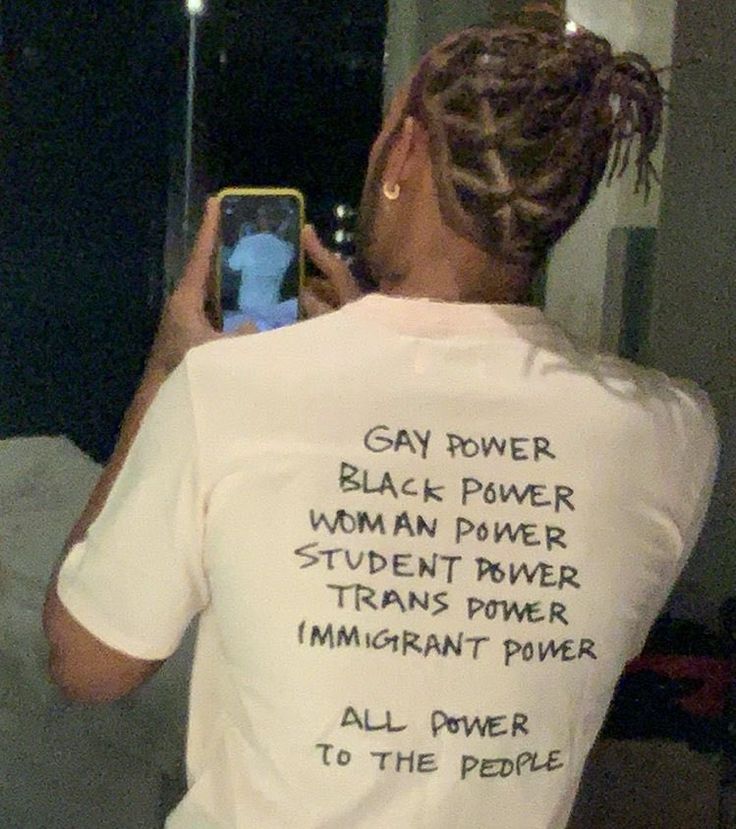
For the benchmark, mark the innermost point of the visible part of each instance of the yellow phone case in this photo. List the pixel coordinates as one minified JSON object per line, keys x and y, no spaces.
{"x":215,"y":312}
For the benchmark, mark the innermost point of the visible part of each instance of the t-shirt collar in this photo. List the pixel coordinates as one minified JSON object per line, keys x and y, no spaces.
{"x":426,"y":316}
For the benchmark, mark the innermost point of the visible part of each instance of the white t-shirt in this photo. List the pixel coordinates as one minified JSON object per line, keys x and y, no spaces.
{"x":423,"y":540}
{"x":263,"y":260}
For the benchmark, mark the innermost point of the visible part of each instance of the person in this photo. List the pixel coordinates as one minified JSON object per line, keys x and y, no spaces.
{"x":262,"y":258}
{"x":424,"y":533}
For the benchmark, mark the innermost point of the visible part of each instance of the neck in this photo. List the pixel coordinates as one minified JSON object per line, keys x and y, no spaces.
{"x":459,"y":278}
{"x":436,"y":262}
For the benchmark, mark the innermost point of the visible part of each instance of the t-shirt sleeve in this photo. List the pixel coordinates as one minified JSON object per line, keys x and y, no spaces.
{"x":693,"y":448}
{"x":697,"y":429}
{"x":237,"y":257}
{"x":289,"y":252}
{"x":137,"y":579}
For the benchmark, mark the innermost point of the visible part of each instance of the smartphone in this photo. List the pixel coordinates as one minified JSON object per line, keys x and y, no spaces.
{"x":260,"y":262}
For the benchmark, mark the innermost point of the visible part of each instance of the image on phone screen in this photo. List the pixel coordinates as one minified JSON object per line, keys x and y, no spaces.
{"x":259,"y":260}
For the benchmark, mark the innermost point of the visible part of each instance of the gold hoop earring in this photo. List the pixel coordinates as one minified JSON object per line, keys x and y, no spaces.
{"x":392,"y":192}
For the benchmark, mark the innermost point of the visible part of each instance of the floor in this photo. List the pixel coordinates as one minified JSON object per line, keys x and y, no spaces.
{"x":72,"y":767}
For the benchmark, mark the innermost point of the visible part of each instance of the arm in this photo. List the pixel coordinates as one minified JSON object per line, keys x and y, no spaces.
{"x":82,"y":666}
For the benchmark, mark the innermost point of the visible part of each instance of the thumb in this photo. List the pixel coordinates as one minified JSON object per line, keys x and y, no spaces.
{"x":197,"y":272}
{"x":336,"y":270}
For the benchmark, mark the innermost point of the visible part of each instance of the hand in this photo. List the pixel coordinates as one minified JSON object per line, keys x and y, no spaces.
{"x":184,"y":323}
{"x":338,"y":287}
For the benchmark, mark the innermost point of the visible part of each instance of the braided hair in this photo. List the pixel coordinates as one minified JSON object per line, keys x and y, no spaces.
{"x":522,"y":123}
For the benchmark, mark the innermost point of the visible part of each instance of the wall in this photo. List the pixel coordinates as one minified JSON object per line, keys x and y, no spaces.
{"x":576,"y":285}
{"x":415,"y":25}
{"x":693,"y":327}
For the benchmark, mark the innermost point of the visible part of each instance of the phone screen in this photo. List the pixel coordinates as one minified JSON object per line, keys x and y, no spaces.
{"x":260,"y":263}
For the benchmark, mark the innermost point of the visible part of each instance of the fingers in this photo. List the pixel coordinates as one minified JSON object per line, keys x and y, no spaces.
{"x":184,"y":323}
{"x":318,"y":297}
{"x":197,"y":272}
{"x":314,"y":306}
{"x":323,"y":290}
{"x":245,"y":328}
{"x":331,"y":266}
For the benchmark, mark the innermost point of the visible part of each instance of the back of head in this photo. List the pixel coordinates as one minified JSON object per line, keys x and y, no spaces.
{"x":269,"y":217}
{"x":522,"y":122}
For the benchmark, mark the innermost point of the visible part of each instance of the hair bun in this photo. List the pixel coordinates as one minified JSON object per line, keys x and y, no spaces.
{"x":522,"y":121}
{"x":543,"y":16}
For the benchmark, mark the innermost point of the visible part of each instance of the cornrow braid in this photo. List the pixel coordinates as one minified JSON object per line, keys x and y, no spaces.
{"x":522,"y":121}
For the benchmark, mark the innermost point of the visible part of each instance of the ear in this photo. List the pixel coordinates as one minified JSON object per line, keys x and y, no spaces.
{"x":407,"y":153}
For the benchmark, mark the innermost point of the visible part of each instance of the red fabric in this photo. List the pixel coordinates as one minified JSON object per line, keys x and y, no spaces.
{"x":716,"y":675}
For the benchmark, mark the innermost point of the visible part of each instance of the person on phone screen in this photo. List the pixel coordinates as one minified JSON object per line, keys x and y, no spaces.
{"x":422,"y":534}
{"x":262,"y":258}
